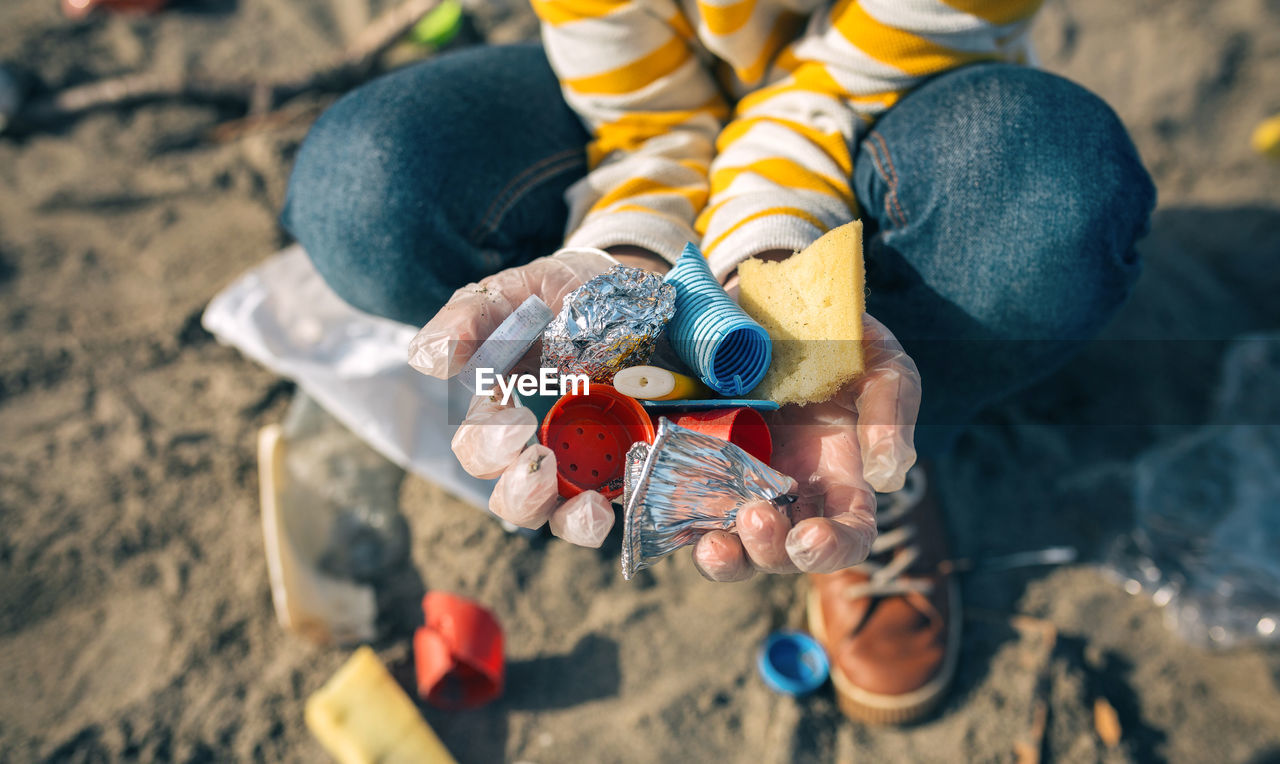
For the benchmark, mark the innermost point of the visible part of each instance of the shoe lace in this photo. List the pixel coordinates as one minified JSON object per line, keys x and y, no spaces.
{"x":894,"y":550}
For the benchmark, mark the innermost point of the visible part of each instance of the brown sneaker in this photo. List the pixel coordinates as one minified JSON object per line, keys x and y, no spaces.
{"x":892,"y":624}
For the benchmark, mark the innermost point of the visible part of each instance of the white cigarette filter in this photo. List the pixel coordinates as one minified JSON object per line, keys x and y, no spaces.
{"x":651,"y":383}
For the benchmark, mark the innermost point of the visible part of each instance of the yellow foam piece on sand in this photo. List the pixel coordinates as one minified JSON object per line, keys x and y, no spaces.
{"x":811,"y":304}
{"x":361,"y":716}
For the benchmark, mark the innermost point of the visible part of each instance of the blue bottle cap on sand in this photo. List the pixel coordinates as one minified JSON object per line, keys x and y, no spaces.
{"x":793,"y":663}
{"x":728,"y":349}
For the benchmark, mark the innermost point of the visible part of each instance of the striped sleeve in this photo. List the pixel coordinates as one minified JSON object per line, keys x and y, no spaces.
{"x":629,"y":69}
{"x":783,"y":171}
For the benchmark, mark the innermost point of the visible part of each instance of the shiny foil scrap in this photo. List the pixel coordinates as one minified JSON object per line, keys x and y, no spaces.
{"x":610,"y":322}
{"x":685,"y":485}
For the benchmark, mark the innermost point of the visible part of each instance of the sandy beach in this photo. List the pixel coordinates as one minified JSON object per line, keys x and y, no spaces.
{"x":135,"y":615}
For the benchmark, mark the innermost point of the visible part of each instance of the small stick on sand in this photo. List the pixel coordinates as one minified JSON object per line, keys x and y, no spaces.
{"x":1027,"y":749}
{"x":258,"y":95}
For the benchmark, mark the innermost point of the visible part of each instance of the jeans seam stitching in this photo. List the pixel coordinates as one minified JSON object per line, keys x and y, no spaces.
{"x":875,"y":157}
{"x":893,"y":185}
{"x":518,"y":194}
{"x":515,"y":187}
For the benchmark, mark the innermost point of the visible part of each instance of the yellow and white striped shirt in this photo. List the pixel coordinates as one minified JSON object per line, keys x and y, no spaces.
{"x":733,"y":122}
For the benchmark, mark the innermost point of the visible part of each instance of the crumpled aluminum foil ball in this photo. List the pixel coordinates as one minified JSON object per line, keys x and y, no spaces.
{"x":610,"y":322}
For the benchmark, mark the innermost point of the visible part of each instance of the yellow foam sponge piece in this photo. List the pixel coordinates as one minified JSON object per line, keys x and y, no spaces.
{"x":811,"y":304}
{"x":361,"y":716}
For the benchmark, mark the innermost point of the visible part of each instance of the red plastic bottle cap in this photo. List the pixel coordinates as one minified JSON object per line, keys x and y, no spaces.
{"x":743,"y":427}
{"x":590,"y":435}
{"x":457,"y":653}
{"x":75,"y":9}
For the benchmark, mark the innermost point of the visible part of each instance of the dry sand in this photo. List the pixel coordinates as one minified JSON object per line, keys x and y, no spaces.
{"x":135,"y":620}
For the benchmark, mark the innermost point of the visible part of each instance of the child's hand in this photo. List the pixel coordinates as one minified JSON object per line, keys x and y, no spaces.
{"x":446,"y":343}
{"x":493,"y":442}
{"x":841,"y":452}
{"x":493,"y":439}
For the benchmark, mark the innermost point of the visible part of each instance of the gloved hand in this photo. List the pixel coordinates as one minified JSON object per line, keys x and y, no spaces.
{"x":443,"y":346}
{"x":494,"y":440}
{"x":841,"y":452}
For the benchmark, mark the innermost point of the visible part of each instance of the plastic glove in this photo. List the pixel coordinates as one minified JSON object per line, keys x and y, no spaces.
{"x":494,"y":440}
{"x":445,"y":344}
{"x":585,"y":520}
{"x":840,"y":452}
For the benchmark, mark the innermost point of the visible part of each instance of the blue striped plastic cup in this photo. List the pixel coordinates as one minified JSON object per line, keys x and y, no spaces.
{"x":725,"y":346}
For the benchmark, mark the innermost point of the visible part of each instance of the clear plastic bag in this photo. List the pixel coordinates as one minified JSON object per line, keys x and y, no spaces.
{"x":343,"y":512}
{"x":283,"y":315}
{"x":1206,"y":542}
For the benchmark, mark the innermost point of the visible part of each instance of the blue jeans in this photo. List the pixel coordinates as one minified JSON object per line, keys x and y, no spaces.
{"x":1000,"y":205}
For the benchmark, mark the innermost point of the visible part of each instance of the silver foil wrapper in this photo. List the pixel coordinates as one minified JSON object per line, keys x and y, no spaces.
{"x":685,"y":485}
{"x":610,"y":322}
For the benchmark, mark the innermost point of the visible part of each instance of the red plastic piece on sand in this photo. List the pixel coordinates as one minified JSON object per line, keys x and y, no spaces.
{"x":590,"y":435}
{"x":74,"y":9}
{"x":743,"y":427}
{"x":457,"y":653}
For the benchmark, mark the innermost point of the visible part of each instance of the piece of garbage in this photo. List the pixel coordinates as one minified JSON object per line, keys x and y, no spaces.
{"x":75,"y":9}
{"x":439,"y":26}
{"x":361,"y":715}
{"x":342,"y":503}
{"x":12,"y":91}
{"x":685,"y":485}
{"x":655,"y":384}
{"x":793,"y":663}
{"x":316,"y":606}
{"x":457,"y":653}
{"x":812,"y":306}
{"x":1106,"y":722}
{"x":590,"y":433}
{"x":283,"y":315}
{"x":728,"y":349}
{"x":1054,"y":555}
{"x":1206,"y":542}
{"x":703,"y":404}
{"x":509,"y":342}
{"x":610,"y":322}
{"x":742,"y":427}
{"x":1266,"y":137}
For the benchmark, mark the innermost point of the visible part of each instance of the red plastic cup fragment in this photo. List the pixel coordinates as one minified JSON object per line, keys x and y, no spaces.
{"x":75,"y":9}
{"x":743,"y":427}
{"x":457,"y":653}
{"x":590,"y":435}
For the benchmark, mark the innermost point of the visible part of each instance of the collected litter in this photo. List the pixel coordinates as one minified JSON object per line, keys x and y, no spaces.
{"x":728,"y":349}
{"x":361,"y":715}
{"x":694,"y":471}
{"x":703,"y":404}
{"x":686,"y":484}
{"x":812,"y":305}
{"x":509,"y":342}
{"x":651,"y":383}
{"x":743,"y":427}
{"x":1206,"y":542}
{"x":589,"y":434}
{"x":610,"y":322}
{"x":457,"y":653}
